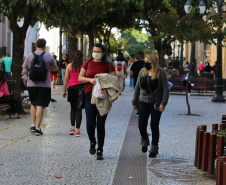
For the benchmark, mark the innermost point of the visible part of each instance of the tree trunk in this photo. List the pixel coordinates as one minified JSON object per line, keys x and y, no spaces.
{"x":18,"y":52}
{"x":72,"y":45}
{"x":160,"y":47}
{"x":91,"y":42}
{"x":189,"y":109}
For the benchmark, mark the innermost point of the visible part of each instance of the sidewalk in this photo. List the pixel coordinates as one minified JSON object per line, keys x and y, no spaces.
{"x":27,"y":159}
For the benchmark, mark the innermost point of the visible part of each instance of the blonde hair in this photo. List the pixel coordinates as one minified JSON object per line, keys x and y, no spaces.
{"x":155,"y":66}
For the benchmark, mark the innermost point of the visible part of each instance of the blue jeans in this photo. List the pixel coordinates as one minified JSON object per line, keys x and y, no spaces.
{"x":63,"y":74}
{"x":170,"y":84}
{"x":8,"y":75}
{"x":145,"y":110}
{"x":93,"y":120}
{"x":131,"y":82}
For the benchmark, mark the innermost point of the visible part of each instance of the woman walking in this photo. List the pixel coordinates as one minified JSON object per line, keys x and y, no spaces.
{"x":5,"y":96}
{"x":96,"y":65}
{"x":130,"y":63}
{"x":75,"y":89}
{"x":151,"y":88}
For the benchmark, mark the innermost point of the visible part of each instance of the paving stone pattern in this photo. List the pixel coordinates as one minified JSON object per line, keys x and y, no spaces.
{"x":27,"y":159}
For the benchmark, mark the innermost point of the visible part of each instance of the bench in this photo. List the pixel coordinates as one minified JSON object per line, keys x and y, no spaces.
{"x":12,"y":89}
{"x":200,"y":84}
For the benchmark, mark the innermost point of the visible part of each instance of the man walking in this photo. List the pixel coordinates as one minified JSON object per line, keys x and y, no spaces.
{"x":63,"y":65}
{"x":7,"y":60}
{"x":39,"y":86}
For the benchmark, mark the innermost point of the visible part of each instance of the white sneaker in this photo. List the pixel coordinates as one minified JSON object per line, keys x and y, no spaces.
{"x":189,"y":94}
{"x":192,"y":84}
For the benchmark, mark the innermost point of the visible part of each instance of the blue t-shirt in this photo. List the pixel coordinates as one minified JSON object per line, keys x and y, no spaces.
{"x":8,"y":63}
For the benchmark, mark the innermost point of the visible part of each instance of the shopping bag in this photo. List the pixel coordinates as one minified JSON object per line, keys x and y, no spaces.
{"x":97,"y":91}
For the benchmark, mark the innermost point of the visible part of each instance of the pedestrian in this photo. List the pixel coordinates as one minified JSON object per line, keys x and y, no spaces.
{"x":39,"y":85}
{"x":120,"y":68}
{"x":5,"y":96}
{"x":151,"y":88}
{"x":75,"y":89}
{"x":208,"y":68}
{"x":96,"y":65}
{"x":54,"y":74}
{"x":201,"y":68}
{"x":176,"y":64}
{"x":63,"y":65}
{"x":7,"y":60}
{"x":168,"y":75}
{"x":186,"y":67}
{"x":135,"y":69}
{"x":130,"y":63}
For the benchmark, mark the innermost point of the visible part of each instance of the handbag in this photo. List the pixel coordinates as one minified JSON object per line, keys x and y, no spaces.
{"x":157,"y":103}
{"x":81,"y":98}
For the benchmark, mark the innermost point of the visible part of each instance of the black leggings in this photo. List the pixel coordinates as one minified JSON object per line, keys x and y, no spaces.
{"x":76,"y":114}
{"x":10,"y":100}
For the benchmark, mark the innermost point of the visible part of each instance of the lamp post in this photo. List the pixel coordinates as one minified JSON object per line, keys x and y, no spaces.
{"x":218,"y":97}
{"x":59,"y":79}
{"x":202,"y":9}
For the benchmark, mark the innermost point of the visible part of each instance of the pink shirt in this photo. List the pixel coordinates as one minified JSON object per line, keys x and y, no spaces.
{"x":73,"y":80}
{"x":4,"y":90}
{"x":201,"y":67}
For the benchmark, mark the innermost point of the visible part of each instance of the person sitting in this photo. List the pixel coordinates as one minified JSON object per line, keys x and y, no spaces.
{"x":208,"y":68}
{"x":5,"y":96}
{"x":168,"y":75}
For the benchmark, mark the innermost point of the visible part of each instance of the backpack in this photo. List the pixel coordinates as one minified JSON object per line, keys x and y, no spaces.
{"x":2,"y":66}
{"x":119,"y":66}
{"x":38,"y":72}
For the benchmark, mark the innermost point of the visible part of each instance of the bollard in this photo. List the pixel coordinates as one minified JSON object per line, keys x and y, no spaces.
{"x":200,"y":143}
{"x":214,"y":127}
{"x":224,"y":172}
{"x":219,"y":170}
{"x":223,"y":121}
{"x":223,"y":117}
{"x":196,"y":145}
{"x":205,"y":151}
{"x":220,"y":146}
{"x":222,"y":126}
{"x":203,"y":127}
{"x":212,"y":153}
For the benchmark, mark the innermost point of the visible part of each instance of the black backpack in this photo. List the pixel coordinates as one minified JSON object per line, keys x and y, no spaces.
{"x":38,"y":72}
{"x":2,"y":66}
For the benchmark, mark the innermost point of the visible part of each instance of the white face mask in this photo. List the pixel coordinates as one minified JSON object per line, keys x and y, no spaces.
{"x":97,"y":56}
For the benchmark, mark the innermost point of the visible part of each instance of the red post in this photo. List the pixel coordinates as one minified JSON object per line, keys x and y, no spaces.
{"x":224,"y":172}
{"x":223,"y":121}
{"x":204,"y":127}
{"x":196,"y":145}
{"x":220,"y":146}
{"x":219,"y":170}
{"x":212,"y":153}
{"x":205,"y":151}
{"x":222,"y":126}
{"x":223,"y":117}
{"x":200,"y":143}
{"x":214,"y":127}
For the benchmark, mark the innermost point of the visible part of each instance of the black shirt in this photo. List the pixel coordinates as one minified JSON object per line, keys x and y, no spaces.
{"x":136,"y":67}
{"x":153,"y":84}
{"x":176,"y":64}
{"x":63,"y":66}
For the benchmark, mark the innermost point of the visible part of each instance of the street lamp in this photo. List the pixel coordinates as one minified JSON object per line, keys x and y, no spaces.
{"x":218,"y":97}
{"x":187,"y":8}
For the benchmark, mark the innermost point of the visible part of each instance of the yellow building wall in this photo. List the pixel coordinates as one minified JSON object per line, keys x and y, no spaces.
{"x":223,"y":62}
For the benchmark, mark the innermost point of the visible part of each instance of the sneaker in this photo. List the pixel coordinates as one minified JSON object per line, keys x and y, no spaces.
{"x":145,"y":143}
{"x":189,"y":94}
{"x":32,"y":129}
{"x":78,"y":134}
{"x":38,"y":132}
{"x":72,"y":131}
{"x":99,"y":155}
{"x":92,"y":149}
{"x":153,"y":151}
{"x":137,"y":114}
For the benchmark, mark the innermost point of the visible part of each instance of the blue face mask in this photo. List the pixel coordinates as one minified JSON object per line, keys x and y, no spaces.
{"x":147,"y":66}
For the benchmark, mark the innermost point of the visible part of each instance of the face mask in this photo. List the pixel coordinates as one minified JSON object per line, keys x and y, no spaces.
{"x":147,"y":66}
{"x":97,"y":56}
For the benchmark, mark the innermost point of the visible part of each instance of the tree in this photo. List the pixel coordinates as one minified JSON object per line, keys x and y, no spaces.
{"x":15,"y":10}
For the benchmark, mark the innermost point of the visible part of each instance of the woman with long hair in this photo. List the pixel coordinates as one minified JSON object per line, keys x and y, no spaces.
{"x":96,"y":65}
{"x":5,"y":96}
{"x":75,"y":88}
{"x":151,"y":87}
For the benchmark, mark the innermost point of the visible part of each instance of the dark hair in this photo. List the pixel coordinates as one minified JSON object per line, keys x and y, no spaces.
{"x":140,"y":54}
{"x":41,"y":43}
{"x":78,"y":60}
{"x":132,"y":55}
{"x":54,"y":56}
{"x":98,"y":45}
{"x":120,"y":56}
{"x":2,"y":78}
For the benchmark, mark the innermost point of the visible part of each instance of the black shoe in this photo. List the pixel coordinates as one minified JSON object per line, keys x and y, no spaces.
{"x":152,"y":155}
{"x":99,"y":155}
{"x":32,"y":129}
{"x":144,"y":149}
{"x":145,"y":143}
{"x":137,"y":114}
{"x":38,"y":132}
{"x":92,"y":149}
